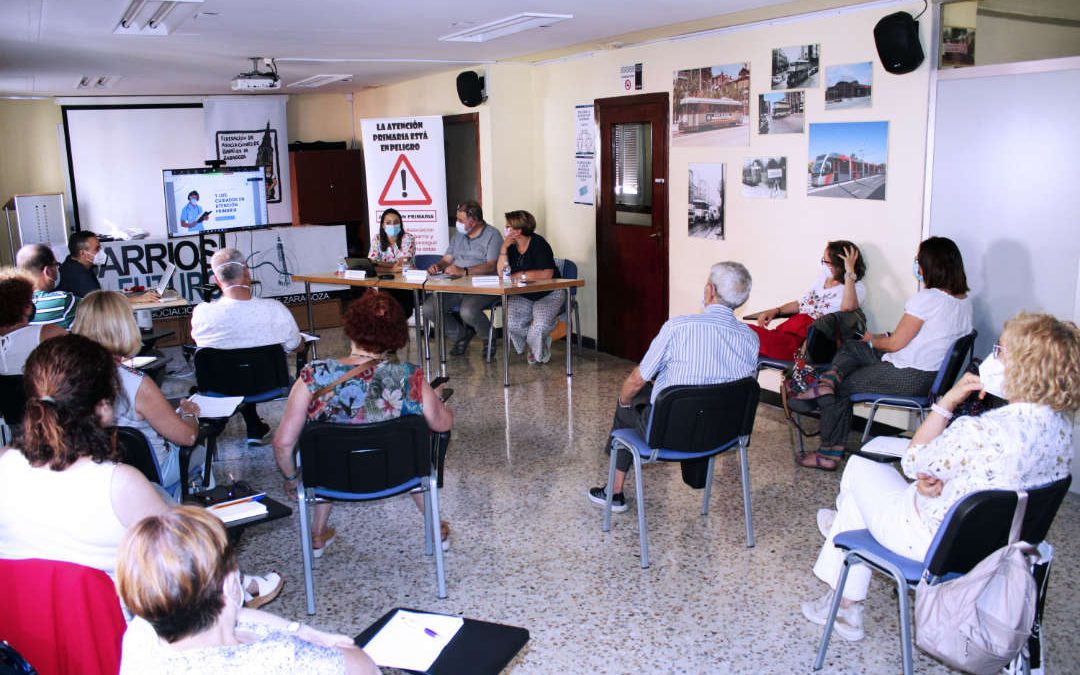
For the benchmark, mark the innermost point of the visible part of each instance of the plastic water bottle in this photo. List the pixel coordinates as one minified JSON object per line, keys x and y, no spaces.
{"x":341,"y":267}
{"x":406,"y":265}
{"x":506,"y":274}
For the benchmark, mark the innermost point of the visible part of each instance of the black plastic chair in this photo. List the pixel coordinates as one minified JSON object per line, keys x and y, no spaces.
{"x":366,"y":462}
{"x":137,"y":452}
{"x":12,"y":399}
{"x":690,"y":422}
{"x":975,"y":527}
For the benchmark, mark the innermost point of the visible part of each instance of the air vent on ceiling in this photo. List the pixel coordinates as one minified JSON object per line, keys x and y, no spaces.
{"x":503,"y":27}
{"x":320,"y":80}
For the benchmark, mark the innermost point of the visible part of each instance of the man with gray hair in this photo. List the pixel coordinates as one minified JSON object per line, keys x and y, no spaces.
{"x":712,"y":347}
{"x":238,"y":319}
{"x":51,"y":306}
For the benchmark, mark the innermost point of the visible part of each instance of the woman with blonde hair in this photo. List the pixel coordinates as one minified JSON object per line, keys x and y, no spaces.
{"x":177,"y":572}
{"x":1025,"y":444}
{"x":105,"y":316}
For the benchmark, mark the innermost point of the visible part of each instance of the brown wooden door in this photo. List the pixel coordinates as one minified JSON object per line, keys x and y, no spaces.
{"x":631,"y":223}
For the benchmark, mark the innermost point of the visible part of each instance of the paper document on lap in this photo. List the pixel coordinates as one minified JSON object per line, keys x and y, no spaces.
{"x":412,"y":640}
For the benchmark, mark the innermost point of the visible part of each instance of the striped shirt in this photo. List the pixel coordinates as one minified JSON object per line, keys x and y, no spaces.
{"x":708,"y":348}
{"x":54,"y":307}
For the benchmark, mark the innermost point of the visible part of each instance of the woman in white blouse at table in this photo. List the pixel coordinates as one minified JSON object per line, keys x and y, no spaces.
{"x":1025,"y":444}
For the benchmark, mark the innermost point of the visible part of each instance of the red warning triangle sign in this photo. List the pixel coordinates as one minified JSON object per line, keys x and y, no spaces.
{"x":404,"y":182}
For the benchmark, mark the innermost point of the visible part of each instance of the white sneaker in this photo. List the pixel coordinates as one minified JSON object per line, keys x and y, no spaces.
{"x":849,"y":620}
{"x":825,"y":520}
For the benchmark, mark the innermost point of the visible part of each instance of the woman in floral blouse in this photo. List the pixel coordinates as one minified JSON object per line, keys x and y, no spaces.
{"x":369,"y":385}
{"x":1025,"y":444}
{"x":391,"y":248}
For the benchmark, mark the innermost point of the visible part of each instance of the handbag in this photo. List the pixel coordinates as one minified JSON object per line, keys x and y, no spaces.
{"x":979,"y":622}
{"x":797,"y":378}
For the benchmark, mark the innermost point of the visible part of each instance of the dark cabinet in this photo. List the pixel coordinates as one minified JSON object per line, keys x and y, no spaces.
{"x":327,"y":187}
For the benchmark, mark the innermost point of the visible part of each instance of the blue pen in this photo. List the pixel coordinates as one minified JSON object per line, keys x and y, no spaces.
{"x":416,"y":624}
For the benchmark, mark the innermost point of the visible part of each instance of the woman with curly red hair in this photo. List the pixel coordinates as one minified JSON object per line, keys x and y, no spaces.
{"x":369,"y":385}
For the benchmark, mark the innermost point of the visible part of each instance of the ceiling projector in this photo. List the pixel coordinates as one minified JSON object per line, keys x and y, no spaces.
{"x":256,"y":82}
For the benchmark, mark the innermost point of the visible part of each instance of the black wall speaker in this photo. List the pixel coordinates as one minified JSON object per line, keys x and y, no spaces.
{"x":470,"y":89}
{"x":897,"y":39}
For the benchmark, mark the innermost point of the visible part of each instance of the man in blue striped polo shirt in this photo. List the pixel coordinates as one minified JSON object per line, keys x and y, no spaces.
{"x":712,"y":347}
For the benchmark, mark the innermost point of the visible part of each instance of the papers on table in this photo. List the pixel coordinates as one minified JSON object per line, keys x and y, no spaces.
{"x":354,"y":274}
{"x":213,"y":406}
{"x":415,"y":276}
{"x":249,"y":508}
{"x":139,"y":361}
{"x":412,"y":640}
{"x":893,"y":446}
{"x":490,"y":281}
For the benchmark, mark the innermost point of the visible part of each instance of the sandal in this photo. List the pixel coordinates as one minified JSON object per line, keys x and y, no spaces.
{"x":833,"y":453}
{"x":813,"y":460}
{"x":444,"y":534}
{"x":320,"y":542}
{"x":820,"y":389}
{"x":266,"y":589}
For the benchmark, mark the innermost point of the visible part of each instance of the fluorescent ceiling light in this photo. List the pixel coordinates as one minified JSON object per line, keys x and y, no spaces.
{"x":320,"y":80}
{"x":147,"y":17}
{"x":503,"y":27}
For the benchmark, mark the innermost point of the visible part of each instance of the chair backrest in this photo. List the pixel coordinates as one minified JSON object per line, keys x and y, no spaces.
{"x":137,"y":452}
{"x":425,"y":260}
{"x":62,"y":617}
{"x":12,"y":399}
{"x":249,"y":372}
{"x":955,"y":361}
{"x":702,"y":417}
{"x":978,"y":525}
{"x":567,"y":270}
{"x":365,"y":458}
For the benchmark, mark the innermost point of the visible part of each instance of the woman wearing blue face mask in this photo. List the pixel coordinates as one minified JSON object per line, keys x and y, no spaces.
{"x":392,"y":245}
{"x":1022,"y":445}
{"x":903,"y":362}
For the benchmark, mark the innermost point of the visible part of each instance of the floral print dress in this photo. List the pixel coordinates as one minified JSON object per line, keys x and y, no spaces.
{"x":383,"y":391}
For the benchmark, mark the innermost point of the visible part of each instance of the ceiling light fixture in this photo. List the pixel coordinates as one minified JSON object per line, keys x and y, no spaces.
{"x":132,"y":11}
{"x":147,"y":17}
{"x":506,"y":26}
{"x":162,"y":12}
{"x":321,"y":80}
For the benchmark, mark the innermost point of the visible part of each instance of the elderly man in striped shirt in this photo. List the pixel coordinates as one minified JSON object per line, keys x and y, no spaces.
{"x":712,"y":347}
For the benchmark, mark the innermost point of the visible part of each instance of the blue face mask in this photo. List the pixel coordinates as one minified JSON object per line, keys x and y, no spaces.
{"x":193,"y":201}
{"x":916,"y":272}
{"x":392,"y":230}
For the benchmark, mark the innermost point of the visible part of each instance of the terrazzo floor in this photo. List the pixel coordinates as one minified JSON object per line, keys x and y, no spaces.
{"x":527,"y":549}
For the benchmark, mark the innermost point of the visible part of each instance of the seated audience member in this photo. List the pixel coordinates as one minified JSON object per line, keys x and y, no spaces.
{"x":369,"y":385}
{"x":473,"y":251}
{"x":903,"y":362}
{"x":238,"y":319}
{"x":391,"y":248}
{"x":530,"y":316}
{"x":105,"y":316}
{"x":78,"y":271}
{"x":51,"y":306}
{"x":63,"y":493}
{"x":1022,"y":445}
{"x":838,"y":288}
{"x":17,"y":337}
{"x":177,"y":572}
{"x":712,"y":347}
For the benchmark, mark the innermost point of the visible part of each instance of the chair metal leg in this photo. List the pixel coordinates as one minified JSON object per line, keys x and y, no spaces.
{"x":744,"y":468}
{"x":577,"y":322}
{"x":827,"y":633}
{"x":606,"y":526}
{"x":798,"y":434}
{"x":905,"y":622}
{"x":305,"y":545}
{"x":491,"y":336}
{"x":639,"y":492}
{"x":428,"y":539}
{"x":708,"y":487}
{"x":440,"y":572}
{"x":869,"y":422}
{"x":211,"y":450}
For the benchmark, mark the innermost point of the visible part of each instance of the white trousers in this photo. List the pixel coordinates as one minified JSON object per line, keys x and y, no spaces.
{"x":876,"y":497}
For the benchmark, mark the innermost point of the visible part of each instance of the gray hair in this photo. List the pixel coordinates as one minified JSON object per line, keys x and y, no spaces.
{"x":732,"y":282}
{"x":228,"y":265}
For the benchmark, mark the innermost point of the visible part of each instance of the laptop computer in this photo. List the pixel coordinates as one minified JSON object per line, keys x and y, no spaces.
{"x":166,"y":279}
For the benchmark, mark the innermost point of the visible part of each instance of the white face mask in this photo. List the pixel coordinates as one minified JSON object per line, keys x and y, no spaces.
{"x":461,"y":227}
{"x":240,"y":587}
{"x":992,"y":374}
{"x":827,"y":269}
{"x":193,"y":201}
{"x":99,"y":257}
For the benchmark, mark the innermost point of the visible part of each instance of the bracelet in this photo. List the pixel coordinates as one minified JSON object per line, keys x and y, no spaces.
{"x":850,"y":276}
{"x":941,"y":411}
{"x":186,"y":415}
{"x":293,"y":477}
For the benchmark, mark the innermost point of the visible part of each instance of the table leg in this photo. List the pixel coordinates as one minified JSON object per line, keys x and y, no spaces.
{"x":423,"y":350}
{"x":440,"y":312}
{"x":311,"y":320}
{"x":569,"y":335}
{"x":506,"y":342}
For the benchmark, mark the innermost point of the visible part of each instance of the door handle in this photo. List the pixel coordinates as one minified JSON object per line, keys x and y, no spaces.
{"x":654,"y":235}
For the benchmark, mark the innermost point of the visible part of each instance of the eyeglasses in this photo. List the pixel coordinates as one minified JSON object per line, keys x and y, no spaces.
{"x":999,"y":351}
{"x":825,"y":261}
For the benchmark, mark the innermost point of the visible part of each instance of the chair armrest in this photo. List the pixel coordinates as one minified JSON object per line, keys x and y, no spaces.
{"x":754,"y":316}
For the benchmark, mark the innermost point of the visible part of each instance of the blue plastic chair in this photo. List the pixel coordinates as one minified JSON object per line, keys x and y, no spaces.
{"x":568,"y":270}
{"x":690,"y":422}
{"x":955,"y":361}
{"x":367,"y":462}
{"x":974,"y":527}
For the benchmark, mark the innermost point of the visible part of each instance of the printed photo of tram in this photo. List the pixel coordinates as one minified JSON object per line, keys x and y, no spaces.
{"x":848,"y":86}
{"x":711,"y":106}
{"x":781,"y":113}
{"x":848,"y":160}
{"x":705,"y":207}
{"x":764,"y":177}
{"x":796,"y":67}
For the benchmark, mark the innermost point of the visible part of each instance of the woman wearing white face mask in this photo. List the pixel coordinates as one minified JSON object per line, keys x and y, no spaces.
{"x":177,"y":572}
{"x":838,"y":288}
{"x":391,"y":248}
{"x":1024,"y":444}
{"x":903,"y":362}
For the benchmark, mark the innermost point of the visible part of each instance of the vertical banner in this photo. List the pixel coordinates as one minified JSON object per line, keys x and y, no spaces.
{"x":406,"y":171}
{"x":251,"y":131}
{"x":584,"y":155}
